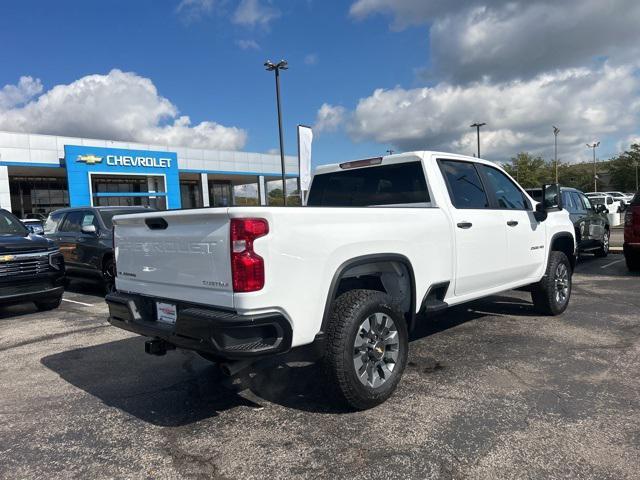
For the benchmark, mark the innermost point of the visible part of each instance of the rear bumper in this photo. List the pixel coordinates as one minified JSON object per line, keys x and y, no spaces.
{"x":221,"y":333}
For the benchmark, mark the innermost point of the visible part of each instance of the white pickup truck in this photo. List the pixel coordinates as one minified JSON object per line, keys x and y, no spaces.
{"x":382,"y":244}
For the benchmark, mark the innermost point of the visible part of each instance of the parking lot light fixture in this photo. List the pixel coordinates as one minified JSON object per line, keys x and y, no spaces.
{"x":594,"y":145}
{"x":556,"y":131}
{"x":477,"y":127}
{"x":276,"y":67}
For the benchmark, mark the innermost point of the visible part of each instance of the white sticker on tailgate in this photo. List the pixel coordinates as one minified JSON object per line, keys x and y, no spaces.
{"x":167,"y":312}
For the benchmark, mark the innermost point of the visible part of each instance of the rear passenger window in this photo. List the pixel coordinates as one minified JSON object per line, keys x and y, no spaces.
{"x":567,"y":202}
{"x":73,"y":222}
{"x":506,"y":193}
{"x":579,"y":206}
{"x":464,"y":184}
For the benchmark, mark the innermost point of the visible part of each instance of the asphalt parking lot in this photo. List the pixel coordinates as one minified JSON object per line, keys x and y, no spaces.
{"x":491,"y":391}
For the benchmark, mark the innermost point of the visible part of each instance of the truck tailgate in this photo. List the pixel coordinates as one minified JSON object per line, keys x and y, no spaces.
{"x":175,"y":255}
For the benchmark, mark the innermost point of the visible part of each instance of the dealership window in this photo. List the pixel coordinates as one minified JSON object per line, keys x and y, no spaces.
{"x":190,"y":194}
{"x":128,"y":191}
{"x":37,"y":195}
{"x":220,"y":194}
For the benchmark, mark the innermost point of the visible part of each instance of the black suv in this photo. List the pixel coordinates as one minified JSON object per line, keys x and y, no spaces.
{"x":85,"y":238}
{"x":31,"y":267}
{"x":590,"y":221}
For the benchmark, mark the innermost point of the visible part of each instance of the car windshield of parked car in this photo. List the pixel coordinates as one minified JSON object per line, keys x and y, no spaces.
{"x":107,"y":215}
{"x":10,"y":225}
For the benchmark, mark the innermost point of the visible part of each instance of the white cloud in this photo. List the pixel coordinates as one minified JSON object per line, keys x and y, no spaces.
{"x":505,"y":39}
{"x":311,"y":59}
{"x":329,"y":118}
{"x":14,"y":95}
{"x":117,"y":106}
{"x":248,"y":44}
{"x":193,"y":10}
{"x":584,"y":103}
{"x":251,"y":13}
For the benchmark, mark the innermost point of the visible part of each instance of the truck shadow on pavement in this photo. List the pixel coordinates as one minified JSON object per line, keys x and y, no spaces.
{"x":181,"y":388}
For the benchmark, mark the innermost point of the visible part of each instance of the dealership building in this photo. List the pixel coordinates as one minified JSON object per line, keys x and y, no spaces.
{"x":41,"y":173}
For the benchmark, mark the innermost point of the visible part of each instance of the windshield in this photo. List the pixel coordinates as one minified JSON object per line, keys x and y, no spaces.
{"x":10,"y":225}
{"x":597,"y":200}
{"x":395,"y":184}
{"x":107,"y":215}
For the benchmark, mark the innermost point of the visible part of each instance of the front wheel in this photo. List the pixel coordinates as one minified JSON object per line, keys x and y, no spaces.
{"x":48,"y":304}
{"x":551,"y":295}
{"x":366,"y":348}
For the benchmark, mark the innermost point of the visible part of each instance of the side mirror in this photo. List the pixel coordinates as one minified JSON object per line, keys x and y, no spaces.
{"x":90,"y":229}
{"x":552,"y":197}
{"x":540,"y":214}
{"x":600,"y":208}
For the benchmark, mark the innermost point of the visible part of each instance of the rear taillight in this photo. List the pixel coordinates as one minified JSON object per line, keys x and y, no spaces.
{"x":628,"y":218}
{"x":247,"y":267}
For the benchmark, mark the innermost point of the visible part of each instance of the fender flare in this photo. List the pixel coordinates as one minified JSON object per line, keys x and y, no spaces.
{"x":363,"y":260}
{"x":555,"y":237}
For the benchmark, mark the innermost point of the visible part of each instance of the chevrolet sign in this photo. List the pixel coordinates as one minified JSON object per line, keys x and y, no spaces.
{"x":130,"y":161}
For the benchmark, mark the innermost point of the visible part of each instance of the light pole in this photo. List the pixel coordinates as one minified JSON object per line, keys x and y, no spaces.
{"x":637,"y":165}
{"x":271,"y":67}
{"x":556,"y":131}
{"x":477,"y":127}
{"x":594,"y":145}
{"x":390,"y":152}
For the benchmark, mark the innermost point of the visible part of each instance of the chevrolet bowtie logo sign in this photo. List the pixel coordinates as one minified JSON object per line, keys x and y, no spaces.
{"x":89,"y":159}
{"x":7,"y":258}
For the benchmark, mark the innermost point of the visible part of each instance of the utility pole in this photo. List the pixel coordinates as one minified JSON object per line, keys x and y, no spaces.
{"x":556,"y":131}
{"x":390,"y":152}
{"x":637,"y":165}
{"x":271,"y":67}
{"x":594,"y":145}
{"x":477,"y":127}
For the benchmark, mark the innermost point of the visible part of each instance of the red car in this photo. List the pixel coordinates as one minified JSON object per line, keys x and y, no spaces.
{"x":632,"y":234}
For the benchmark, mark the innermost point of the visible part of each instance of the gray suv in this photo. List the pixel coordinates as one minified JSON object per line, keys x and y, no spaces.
{"x":85,"y":238}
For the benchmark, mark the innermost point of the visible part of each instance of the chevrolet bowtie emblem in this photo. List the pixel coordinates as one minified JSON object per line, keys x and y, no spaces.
{"x":89,"y":159}
{"x":7,"y":258}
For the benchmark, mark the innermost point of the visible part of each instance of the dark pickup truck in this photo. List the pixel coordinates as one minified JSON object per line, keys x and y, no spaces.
{"x":31,"y":267}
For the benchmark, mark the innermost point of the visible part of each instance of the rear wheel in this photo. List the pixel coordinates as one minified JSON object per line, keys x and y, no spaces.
{"x":551,"y":295}
{"x":603,"y":251}
{"x":367,"y":345}
{"x":109,"y":276}
{"x":633,"y":262}
{"x":48,"y":304}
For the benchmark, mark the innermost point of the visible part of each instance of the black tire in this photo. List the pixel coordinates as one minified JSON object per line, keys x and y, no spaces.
{"x":109,"y":276}
{"x":349,"y":313}
{"x":546,"y":295}
{"x":48,"y":304}
{"x":603,"y":251}
{"x":633,"y":262}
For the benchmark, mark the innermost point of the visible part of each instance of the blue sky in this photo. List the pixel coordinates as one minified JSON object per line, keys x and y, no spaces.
{"x":339,"y":53}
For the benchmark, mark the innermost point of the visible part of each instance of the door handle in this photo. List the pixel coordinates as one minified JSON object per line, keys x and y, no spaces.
{"x":512,"y":223}
{"x":465,"y":225}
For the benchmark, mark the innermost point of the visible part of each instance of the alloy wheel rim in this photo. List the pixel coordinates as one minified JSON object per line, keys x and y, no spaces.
{"x":561,"y":279}
{"x":376,"y":349}
{"x":605,"y":242}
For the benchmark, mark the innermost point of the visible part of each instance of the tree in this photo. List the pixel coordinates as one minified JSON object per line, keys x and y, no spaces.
{"x":530,"y":171}
{"x":623,"y":169}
